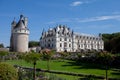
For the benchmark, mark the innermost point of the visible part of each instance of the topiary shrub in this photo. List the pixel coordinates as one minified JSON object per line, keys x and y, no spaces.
{"x":8,"y":72}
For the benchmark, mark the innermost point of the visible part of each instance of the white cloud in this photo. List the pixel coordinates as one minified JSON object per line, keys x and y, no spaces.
{"x":91,"y":19}
{"x":76,"y":3}
{"x":100,"y":18}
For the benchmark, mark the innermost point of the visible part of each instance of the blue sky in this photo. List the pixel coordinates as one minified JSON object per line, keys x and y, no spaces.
{"x":83,"y":16}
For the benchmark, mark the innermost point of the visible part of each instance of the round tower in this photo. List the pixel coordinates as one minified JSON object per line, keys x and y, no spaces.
{"x":20,"y":35}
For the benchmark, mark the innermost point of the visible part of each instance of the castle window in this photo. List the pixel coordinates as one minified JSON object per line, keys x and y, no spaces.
{"x":80,"y":36}
{"x":48,"y":45}
{"x":52,"y":45}
{"x":69,"y":45}
{"x":65,"y":44}
{"x":60,"y":39}
{"x":65,"y":39}
{"x":90,"y":38}
{"x":69,"y":40}
{"x":87,"y":37}
{"x":49,"y":40}
{"x":60,"y":44}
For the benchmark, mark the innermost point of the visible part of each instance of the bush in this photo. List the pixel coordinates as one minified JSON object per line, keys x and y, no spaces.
{"x":7,"y":72}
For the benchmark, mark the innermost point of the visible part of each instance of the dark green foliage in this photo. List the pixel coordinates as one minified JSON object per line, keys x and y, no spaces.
{"x":7,"y":72}
{"x":2,"y":54}
{"x":112,"y":42}
{"x":33,"y":44}
{"x":104,"y":58}
{"x":32,"y":57}
{"x":1,"y":46}
{"x":25,"y":74}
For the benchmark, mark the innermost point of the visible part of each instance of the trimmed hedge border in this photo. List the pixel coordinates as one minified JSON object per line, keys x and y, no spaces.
{"x":65,"y":73}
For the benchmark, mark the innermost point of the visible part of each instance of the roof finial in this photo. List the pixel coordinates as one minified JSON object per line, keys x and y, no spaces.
{"x":21,"y":16}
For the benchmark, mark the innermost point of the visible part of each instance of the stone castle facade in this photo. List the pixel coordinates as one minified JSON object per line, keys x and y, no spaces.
{"x":19,"y":35}
{"x":61,"y":39}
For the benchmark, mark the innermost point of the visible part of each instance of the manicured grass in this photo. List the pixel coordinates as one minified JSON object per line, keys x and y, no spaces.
{"x":66,"y":77}
{"x":68,"y":66}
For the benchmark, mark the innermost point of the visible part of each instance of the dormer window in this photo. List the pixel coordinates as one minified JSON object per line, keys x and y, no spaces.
{"x":60,"y":39}
{"x":65,"y":39}
{"x":69,"y":40}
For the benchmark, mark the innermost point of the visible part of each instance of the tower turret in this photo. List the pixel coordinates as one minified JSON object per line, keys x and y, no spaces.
{"x":13,"y":24}
{"x":20,"y":35}
{"x":25,"y":21}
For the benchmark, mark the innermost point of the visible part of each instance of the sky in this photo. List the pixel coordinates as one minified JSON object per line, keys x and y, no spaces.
{"x":82,"y":16}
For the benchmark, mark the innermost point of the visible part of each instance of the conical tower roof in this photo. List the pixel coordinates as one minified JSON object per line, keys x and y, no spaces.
{"x":20,"y":24}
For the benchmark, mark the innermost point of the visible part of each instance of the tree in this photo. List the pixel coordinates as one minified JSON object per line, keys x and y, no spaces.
{"x":1,"y":46}
{"x":47,"y":54}
{"x":2,"y":54}
{"x":32,"y":58}
{"x":112,"y":42}
{"x":33,"y":43}
{"x":7,"y":72}
{"x":106,"y":59}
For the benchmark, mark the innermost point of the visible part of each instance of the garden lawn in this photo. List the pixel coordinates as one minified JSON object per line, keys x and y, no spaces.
{"x":68,"y":66}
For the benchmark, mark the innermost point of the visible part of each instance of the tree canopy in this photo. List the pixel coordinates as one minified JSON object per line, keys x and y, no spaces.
{"x":32,"y":57}
{"x":33,"y":43}
{"x":7,"y":72}
{"x":112,"y":42}
{"x":1,"y":45}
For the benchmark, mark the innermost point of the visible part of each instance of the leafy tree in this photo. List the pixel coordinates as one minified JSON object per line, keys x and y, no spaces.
{"x":2,"y":54}
{"x":47,"y":54}
{"x":112,"y":42}
{"x":32,"y":58}
{"x":105,"y":59}
{"x":7,"y":72}
{"x":1,"y":46}
{"x":33,"y":43}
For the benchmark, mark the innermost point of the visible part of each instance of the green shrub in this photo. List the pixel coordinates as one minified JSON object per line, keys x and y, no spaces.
{"x":7,"y":72}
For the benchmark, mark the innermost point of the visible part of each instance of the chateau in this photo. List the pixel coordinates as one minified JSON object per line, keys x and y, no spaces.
{"x":61,"y":39}
{"x":19,"y":35}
